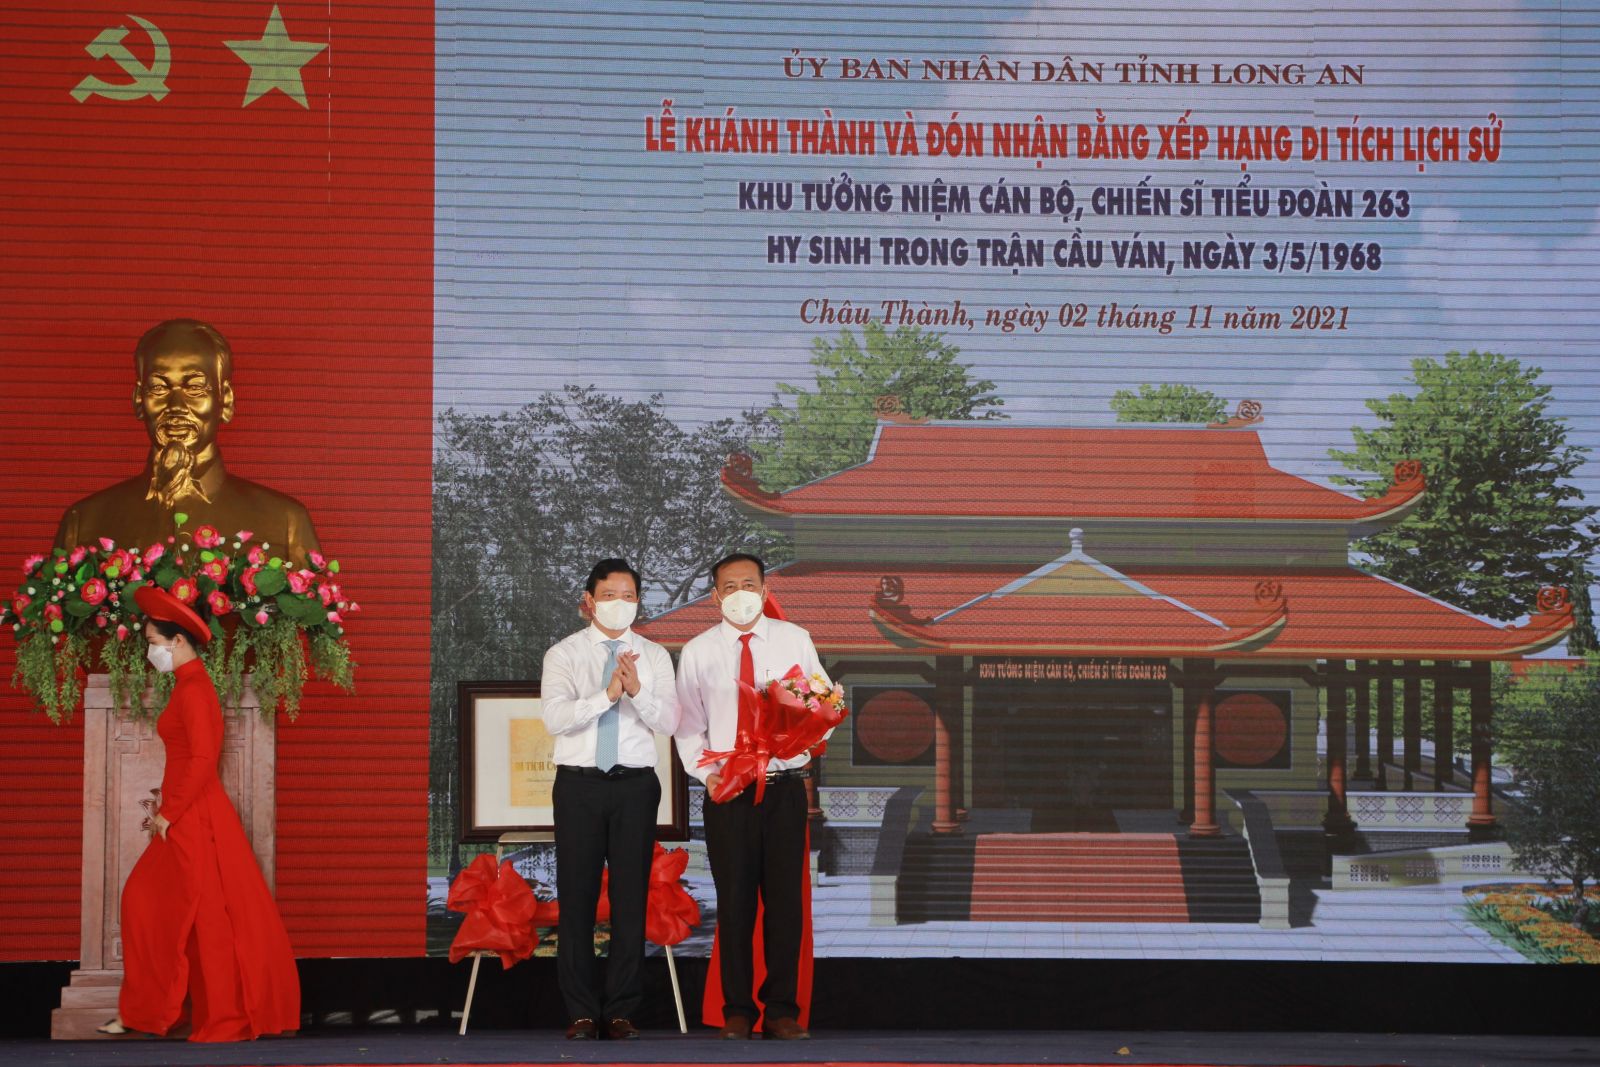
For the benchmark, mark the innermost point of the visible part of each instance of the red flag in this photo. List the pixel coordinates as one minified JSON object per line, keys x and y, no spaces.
{"x":266,"y":167}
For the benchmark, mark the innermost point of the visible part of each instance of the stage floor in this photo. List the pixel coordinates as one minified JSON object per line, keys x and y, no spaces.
{"x":379,"y":1047}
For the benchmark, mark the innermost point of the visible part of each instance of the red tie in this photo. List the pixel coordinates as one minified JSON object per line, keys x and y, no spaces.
{"x":747,"y":663}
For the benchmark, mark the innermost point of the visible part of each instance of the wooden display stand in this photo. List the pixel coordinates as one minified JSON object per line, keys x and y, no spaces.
{"x":122,"y":765}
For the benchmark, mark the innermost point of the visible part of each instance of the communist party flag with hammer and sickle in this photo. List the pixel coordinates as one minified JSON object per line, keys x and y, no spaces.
{"x":264,"y":166}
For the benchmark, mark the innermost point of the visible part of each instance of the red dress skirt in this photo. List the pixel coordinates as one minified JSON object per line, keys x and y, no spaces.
{"x":198,"y":921}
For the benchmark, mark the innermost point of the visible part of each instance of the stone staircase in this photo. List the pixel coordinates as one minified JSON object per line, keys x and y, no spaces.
{"x":1077,"y":877}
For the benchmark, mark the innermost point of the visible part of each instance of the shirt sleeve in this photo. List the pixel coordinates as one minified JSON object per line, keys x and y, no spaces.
{"x":186,"y":777}
{"x":657,"y":703}
{"x":566,"y":711}
{"x":692,"y":719}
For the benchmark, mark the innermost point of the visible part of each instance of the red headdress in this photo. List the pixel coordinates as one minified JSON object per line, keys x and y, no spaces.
{"x":157,"y":603}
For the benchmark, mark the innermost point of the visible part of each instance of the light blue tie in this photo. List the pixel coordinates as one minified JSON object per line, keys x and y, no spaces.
{"x":605,"y":741}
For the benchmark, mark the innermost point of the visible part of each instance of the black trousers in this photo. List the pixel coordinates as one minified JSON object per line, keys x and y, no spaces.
{"x":758,"y":852}
{"x":600,"y":823}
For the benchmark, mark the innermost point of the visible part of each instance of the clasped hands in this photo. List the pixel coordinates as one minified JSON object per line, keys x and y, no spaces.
{"x":159,"y":824}
{"x":625,"y":679}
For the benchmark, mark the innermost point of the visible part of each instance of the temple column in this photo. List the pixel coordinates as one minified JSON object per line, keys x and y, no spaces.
{"x":1444,"y":731}
{"x":1411,"y":723}
{"x":948,"y":707}
{"x":1337,"y":821}
{"x":1385,"y":721}
{"x":1481,"y":823}
{"x":958,"y":751}
{"x":1191,"y":701}
{"x":1205,"y":771}
{"x":1363,"y":680}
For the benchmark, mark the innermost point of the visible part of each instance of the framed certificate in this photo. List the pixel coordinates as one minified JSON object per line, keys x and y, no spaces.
{"x":508,"y":770}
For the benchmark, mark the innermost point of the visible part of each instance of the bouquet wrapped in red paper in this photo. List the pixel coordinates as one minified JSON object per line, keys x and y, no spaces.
{"x":502,"y":913}
{"x":778,"y":721}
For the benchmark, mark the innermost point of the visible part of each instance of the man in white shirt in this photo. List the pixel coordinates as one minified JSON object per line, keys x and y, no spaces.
{"x":607,"y":693}
{"x":757,"y":851}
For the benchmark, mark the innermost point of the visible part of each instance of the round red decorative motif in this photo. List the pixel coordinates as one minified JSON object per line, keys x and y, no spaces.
{"x":1407,"y":470}
{"x":1248,"y":409}
{"x":895,"y":726}
{"x":1250,"y":729}
{"x":1552,"y":598}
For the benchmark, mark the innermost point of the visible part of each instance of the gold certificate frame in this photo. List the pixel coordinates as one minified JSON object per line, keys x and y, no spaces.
{"x":508,"y":773}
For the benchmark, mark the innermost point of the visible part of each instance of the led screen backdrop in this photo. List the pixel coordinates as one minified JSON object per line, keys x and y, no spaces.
{"x":1174,"y":424}
{"x":1027,"y":341}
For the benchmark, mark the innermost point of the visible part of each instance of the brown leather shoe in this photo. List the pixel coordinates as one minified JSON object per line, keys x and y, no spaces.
{"x":784,"y":1030}
{"x":621,"y":1030}
{"x":735,"y":1028}
{"x":582,"y":1030}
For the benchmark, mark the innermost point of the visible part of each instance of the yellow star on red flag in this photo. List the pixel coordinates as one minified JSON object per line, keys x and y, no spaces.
{"x":275,"y":61}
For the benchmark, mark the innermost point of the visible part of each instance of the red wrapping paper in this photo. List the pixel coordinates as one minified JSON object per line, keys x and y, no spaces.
{"x":773,"y":724}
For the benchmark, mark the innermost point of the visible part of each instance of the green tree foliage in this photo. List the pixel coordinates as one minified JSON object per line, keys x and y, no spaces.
{"x":1501,"y":516}
{"x":1581,"y":641}
{"x":829,"y":426}
{"x":1168,"y":403}
{"x":525,"y":501}
{"x":1548,"y":723}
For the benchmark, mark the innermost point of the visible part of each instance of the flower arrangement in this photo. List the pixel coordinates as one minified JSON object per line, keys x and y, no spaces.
{"x":1526,"y":916}
{"x":260,"y":606}
{"x":780,"y":720}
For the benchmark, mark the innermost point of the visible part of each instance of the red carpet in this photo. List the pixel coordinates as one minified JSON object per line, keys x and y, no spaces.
{"x":1078,"y":878}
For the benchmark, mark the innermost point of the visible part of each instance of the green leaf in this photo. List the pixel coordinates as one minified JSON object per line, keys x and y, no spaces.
{"x":166,"y":574}
{"x":80,"y":610}
{"x":271,"y":582}
{"x":300,"y":610}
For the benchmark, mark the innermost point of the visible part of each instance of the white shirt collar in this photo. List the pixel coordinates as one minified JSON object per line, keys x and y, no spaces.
{"x":733,"y":633}
{"x":597,"y":635}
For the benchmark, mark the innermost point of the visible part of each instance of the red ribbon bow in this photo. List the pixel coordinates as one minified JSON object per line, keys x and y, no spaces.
{"x":670,"y":912}
{"x":502,"y":912}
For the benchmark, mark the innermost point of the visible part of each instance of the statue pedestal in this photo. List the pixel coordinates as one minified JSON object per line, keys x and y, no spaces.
{"x":122,"y":765}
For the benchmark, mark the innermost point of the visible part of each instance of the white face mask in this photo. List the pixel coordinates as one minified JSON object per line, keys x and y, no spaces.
{"x":615,"y":614}
{"x":160,"y":657}
{"x":741,"y":608}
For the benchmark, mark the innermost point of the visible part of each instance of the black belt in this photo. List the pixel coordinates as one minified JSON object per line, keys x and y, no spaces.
{"x":613,"y":774}
{"x":792,"y":772}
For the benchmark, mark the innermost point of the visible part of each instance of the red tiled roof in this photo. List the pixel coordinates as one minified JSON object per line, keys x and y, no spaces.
{"x":983,"y":470}
{"x":1340,"y":613}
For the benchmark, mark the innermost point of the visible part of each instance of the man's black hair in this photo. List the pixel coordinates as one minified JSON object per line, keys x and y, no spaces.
{"x":606,"y":568}
{"x":738,"y":557}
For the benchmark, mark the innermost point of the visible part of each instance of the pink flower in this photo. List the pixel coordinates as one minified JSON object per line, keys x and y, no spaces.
{"x":100,"y":621}
{"x":52,"y":611}
{"x":333,"y":616}
{"x":258,"y":555}
{"x":216,"y":570}
{"x":122,"y":633}
{"x":325,"y":594}
{"x":207,"y":537}
{"x":22,"y":601}
{"x":261,"y":616}
{"x":247,"y":578}
{"x":351,"y":608}
{"x":154,"y":552}
{"x":93,"y":591}
{"x":300,"y":581}
{"x":32,"y":563}
{"x":77,"y":556}
{"x":117,"y":564}
{"x":220,"y":604}
{"x":318,"y":561}
{"x":243,"y":535}
{"x":107,"y":544}
{"x":185,"y":590}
